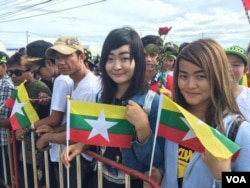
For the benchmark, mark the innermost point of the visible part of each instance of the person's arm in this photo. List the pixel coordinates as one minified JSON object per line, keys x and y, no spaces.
{"x":215,"y":165}
{"x":43,"y":142}
{"x":5,"y":123}
{"x":73,"y":150}
{"x":53,"y":120}
{"x":45,"y":128}
{"x":133,"y":114}
{"x":155,"y":174}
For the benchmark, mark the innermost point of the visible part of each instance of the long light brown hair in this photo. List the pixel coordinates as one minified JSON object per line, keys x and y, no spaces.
{"x":211,"y":58}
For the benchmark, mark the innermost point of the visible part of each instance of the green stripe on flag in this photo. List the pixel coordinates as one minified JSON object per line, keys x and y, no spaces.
{"x":173,"y":119}
{"x":23,"y":120}
{"x":210,"y":137}
{"x":231,"y":146}
{"x":122,"y":127}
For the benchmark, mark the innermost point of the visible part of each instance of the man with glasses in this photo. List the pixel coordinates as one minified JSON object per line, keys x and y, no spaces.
{"x":35,"y":59}
{"x":36,"y":89}
{"x":6,"y":88}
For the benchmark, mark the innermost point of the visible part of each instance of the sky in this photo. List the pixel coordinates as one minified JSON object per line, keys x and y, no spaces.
{"x":24,"y":21}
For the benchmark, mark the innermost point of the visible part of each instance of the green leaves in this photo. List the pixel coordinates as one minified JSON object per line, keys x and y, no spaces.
{"x":161,"y":50}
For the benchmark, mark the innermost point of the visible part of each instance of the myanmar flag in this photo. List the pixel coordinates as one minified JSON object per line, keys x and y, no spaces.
{"x":23,"y":113}
{"x":243,"y":80}
{"x":246,"y":4}
{"x":180,"y":126}
{"x":10,"y":101}
{"x":99,"y":124}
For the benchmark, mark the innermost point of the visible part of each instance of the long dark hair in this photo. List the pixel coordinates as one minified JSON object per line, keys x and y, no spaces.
{"x":115,"y":39}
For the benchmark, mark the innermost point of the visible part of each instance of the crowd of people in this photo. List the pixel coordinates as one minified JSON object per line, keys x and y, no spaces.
{"x":201,"y":76}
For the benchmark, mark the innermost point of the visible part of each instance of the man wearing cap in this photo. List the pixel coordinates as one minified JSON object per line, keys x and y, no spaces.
{"x":6,"y":88}
{"x":168,"y":66}
{"x":239,"y":65}
{"x":46,"y":68}
{"x":152,"y":75}
{"x":35,"y":59}
{"x":69,"y":57}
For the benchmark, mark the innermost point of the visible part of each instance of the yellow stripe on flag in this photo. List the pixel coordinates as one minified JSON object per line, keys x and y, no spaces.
{"x":169,"y":104}
{"x":28,"y":108}
{"x":206,"y":137}
{"x":202,"y":131}
{"x":244,"y":80}
{"x":94,"y":109}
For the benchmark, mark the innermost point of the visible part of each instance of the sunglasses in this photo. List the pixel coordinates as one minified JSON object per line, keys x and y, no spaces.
{"x":17,"y":72}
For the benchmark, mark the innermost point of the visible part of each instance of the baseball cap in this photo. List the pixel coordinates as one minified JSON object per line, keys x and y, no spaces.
{"x":3,"y":57}
{"x":236,"y":50}
{"x":65,"y":45}
{"x":36,"y":50}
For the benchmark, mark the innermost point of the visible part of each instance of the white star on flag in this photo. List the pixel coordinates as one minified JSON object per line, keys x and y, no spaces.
{"x":17,"y":108}
{"x":100,"y":126}
{"x":190,"y":134}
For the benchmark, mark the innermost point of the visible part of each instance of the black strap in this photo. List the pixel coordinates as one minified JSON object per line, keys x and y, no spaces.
{"x":234,"y":127}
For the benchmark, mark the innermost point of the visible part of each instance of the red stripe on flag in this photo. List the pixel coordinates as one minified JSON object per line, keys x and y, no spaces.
{"x":176,"y":135}
{"x":9,"y":102}
{"x":246,"y":4}
{"x":14,"y":123}
{"x":115,"y":140}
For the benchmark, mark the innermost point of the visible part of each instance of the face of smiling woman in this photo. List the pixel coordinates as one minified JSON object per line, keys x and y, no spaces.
{"x":193,"y":84}
{"x":119,"y":66}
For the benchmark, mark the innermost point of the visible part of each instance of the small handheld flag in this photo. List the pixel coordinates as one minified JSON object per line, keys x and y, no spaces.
{"x":23,"y":113}
{"x":99,"y":124}
{"x":180,"y":126}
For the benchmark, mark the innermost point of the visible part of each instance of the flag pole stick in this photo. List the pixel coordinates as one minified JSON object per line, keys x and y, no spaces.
{"x":67,"y":135}
{"x":156,"y":132}
{"x":246,"y":10}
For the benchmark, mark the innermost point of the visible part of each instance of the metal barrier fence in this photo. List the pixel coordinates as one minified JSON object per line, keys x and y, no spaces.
{"x":11,"y":167}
